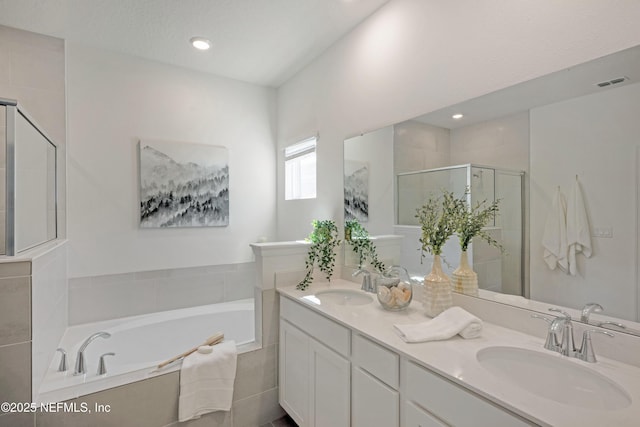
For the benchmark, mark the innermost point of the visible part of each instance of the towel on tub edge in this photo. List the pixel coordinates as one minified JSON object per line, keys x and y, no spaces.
{"x":453,"y":321}
{"x":206,"y":381}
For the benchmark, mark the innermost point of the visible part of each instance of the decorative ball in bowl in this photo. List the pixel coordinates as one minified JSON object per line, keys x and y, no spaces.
{"x":394,"y":293}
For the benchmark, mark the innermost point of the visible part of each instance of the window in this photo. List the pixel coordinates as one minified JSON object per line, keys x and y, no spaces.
{"x":300,"y":170}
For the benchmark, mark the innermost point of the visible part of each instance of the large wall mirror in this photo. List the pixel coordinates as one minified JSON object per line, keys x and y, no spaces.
{"x":578,"y":125}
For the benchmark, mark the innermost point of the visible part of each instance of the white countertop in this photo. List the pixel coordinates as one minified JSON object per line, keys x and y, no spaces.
{"x":456,"y":360}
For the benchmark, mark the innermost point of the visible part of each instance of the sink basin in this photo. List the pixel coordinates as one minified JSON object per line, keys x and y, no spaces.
{"x":553,"y":377}
{"x":340,"y":297}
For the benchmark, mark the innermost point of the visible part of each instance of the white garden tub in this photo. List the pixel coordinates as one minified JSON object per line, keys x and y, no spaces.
{"x":140,"y":343}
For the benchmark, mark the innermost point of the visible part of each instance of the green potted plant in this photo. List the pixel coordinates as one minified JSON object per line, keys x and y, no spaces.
{"x":324,"y":238}
{"x":470,"y":222}
{"x":358,"y":238}
{"x":437,"y":224}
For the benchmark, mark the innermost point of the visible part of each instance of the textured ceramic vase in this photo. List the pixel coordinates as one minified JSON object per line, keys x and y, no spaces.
{"x":437,"y":290}
{"x":463,"y":279}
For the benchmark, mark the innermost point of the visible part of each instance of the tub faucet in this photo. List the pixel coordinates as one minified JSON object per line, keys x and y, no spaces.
{"x":80,"y":364}
{"x":367,"y":285}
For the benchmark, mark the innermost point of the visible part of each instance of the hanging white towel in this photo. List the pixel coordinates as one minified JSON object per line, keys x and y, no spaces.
{"x":578,"y":230}
{"x":554,"y":239}
{"x":452,"y":321}
{"x":206,"y":381}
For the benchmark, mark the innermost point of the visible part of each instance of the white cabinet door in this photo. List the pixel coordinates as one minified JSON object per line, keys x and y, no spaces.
{"x":374,"y":404}
{"x":416,"y":417}
{"x":329,"y":382}
{"x":294,"y":372}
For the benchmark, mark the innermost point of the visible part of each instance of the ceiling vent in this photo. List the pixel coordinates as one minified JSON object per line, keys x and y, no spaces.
{"x":612,"y":82}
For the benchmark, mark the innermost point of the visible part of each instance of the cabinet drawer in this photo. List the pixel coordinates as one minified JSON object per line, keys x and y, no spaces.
{"x":377,"y":360}
{"x":416,"y":417}
{"x":451,"y":403}
{"x":331,"y":334}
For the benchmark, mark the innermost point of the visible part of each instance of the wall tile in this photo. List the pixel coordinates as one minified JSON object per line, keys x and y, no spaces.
{"x":17,"y":420}
{"x":15,"y":310}
{"x":270,"y":317}
{"x":149,"y":403}
{"x":15,"y":375}
{"x":15,"y":269}
{"x":213,"y":419}
{"x":255,"y":373}
{"x":257,"y":410}
{"x":180,"y":293}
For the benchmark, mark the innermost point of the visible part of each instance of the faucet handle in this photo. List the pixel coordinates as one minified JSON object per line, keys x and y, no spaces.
{"x":586,"y":352}
{"x":551,"y":342}
{"x":102,"y":367}
{"x":62,"y":367}
{"x":566,"y":315}
{"x":589,"y":308}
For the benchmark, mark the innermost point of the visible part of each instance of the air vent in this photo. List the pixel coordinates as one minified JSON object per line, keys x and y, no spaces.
{"x":612,"y":82}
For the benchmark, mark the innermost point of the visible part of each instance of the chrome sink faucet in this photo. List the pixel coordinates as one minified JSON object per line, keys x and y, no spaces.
{"x":367,"y":285}
{"x":80,"y":367}
{"x":589,"y":308}
{"x":560,"y":333}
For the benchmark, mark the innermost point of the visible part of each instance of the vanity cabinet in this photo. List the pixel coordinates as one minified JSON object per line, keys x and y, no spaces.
{"x":315,"y":379}
{"x":331,"y":376}
{"x":443,"y":400}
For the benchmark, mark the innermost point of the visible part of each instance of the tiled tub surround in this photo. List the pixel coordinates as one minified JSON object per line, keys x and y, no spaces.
{"x":455,"y":359}
{"x":120,"y":295}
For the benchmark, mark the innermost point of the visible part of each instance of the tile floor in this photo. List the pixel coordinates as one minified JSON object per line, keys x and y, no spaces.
{"x":285,"y":421}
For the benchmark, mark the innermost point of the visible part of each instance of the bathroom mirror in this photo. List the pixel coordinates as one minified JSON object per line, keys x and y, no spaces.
{"x":574,"y":125}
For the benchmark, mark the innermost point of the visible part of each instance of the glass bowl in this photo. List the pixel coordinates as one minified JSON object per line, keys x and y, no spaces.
{"x":394,"y":289}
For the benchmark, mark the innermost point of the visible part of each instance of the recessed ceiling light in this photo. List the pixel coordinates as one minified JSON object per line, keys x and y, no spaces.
{"x":200,"y":43}
{"x":457,"y":116}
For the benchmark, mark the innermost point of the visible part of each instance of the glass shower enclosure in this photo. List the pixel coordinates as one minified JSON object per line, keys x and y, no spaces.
{"x":499,"y":272}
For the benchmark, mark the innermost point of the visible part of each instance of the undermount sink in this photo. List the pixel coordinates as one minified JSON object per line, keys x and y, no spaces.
{"x":340,"y":297}
{"x":553,"y":377}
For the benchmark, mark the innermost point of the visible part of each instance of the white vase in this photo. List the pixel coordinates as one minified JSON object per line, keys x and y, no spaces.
{"x":463,"y":279}
{"x":437,"y":290}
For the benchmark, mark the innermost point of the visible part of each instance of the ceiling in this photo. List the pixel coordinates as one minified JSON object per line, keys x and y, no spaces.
{"x":263,"y":42}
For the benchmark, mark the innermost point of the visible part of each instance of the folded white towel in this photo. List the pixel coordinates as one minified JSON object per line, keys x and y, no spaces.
{"x":452,"y":321}
{"x":578,"y":231}
{"x":554,"y":239}
{"x":206,"y":381}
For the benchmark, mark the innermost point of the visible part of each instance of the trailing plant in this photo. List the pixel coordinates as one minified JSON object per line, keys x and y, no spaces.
{"x":470,"y":221}
{"x":324,"y":238}
{"x":437,"y":222}
{"x":360,"y":241}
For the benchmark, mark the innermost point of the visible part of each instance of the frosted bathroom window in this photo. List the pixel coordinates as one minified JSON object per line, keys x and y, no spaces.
{"x":300,"y":170}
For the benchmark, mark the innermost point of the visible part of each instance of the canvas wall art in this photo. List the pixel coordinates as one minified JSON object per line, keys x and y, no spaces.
{"x":356,"y":190}
{"x":183,"y":185}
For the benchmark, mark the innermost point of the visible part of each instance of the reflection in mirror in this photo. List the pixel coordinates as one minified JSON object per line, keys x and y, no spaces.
{"x":576,"y":123}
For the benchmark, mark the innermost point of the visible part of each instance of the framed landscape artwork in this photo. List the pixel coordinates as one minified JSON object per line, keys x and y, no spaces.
{"x":356,"y":190}
{"x":183,"y":185}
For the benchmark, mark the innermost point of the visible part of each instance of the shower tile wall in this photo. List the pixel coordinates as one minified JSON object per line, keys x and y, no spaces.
{"x":120,"y":295}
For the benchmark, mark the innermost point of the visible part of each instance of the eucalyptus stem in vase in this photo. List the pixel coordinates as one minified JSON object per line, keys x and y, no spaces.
{"x":324,"y":238}
{"x":470,"y":222}
{"x":437,"y":225}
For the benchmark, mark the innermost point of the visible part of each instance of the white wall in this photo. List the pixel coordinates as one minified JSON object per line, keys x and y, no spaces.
{"x":113,"y":101}
{"x":417,"y":56}
{"x":594,"y":137}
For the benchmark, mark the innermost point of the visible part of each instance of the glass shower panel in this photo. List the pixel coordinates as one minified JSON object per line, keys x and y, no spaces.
{"x":509,"y":191}
{"x":415,"y":188}
{"x":3,"y":177}
{"x":35,"y":186}
{"x":482,"y":187}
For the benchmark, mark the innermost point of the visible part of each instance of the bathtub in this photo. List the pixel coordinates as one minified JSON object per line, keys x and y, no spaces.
{"x":141,"y":343}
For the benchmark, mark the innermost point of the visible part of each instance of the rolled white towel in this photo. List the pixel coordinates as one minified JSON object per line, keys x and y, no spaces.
{"x":453,"y":321}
